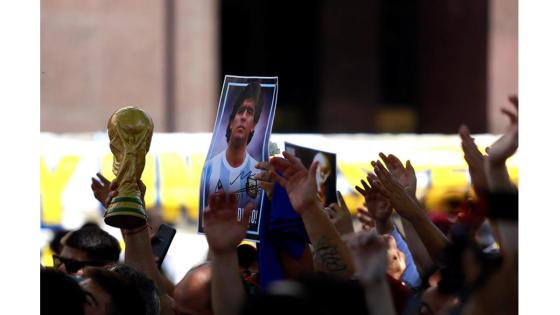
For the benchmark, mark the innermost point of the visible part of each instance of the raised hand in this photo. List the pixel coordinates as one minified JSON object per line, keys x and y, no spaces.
{"x":409,"y":208}
{"x":298,"y":181}
{"x":223,"y":231}
{"x":475,"y":160}
{"x":495,"y":165}
{"x":330,"y":253}
{"x":405,"y":175}
{"x":101,"y":187}
{"x":405,"y":204}
{"x":264,"y":178}
{"x":104,"y":190}
{"x":377,"y":204}
{"x":340,"y":216}
{"x":507,"y":144}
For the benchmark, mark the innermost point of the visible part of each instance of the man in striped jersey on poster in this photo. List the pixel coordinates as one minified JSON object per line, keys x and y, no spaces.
{"x":233,"y":169}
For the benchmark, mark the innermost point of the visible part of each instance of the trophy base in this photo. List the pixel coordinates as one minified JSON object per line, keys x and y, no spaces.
{"x":125,"y":213}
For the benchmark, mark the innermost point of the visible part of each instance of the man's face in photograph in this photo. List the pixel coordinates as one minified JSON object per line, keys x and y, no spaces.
{"x":243,"y":124}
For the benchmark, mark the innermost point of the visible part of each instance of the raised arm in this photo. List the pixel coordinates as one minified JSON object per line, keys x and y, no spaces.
{"x":330,"y":252}
{"x":500,"y":151}
{"x":499,"y":293}
{"x":406,"y":176}
{"x":291,"y":266}
{"x":138,"y":249}
{"x":340,"y":217}
{"x":223,"y":233}
{"x":410,"y":209}
{"x":475,"y":160}
{"x":380,"y":208}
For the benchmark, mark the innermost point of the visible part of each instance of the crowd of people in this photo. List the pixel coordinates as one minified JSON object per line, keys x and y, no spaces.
{"x":399,"y":261}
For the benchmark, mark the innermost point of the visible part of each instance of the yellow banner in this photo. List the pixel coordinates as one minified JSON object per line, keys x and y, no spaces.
{"x":174,"y":165}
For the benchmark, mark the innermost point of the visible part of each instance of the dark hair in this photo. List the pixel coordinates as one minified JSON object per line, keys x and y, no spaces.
{"x":251,"y":92}
{"x":246,"y":255}
{"x":60,"y":293}
{"x":124,"y":296}
{"x":55,"y":244}
{"x":144,"y":285}
{"x":98,"y":244}
{"x":316,"y":293}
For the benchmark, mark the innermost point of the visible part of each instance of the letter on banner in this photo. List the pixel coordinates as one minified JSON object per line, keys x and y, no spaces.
{"x":174,"y":185}
{"x":52,"y":186}
{"x":180,"y":180}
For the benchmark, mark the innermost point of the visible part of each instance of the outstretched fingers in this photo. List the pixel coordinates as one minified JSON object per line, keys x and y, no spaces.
{"x":386,"y":184}
{"x":263,"y":177}
{"x":371,"y":179}
{"x":95,"y":184}
{"x":369,"y":186}
{"x":378,"y":187}
{"x":393,"y":162}
{"x":362,"y":191}
{"x":104,"y":180}
{"x":513,"y":119}
{"x":409,"y":167}
{"x":221,"y":206}
{"x":289,"y":168}
{"x":292,"y":158}
{"x":382,"y":173}
{"x":365,"y":185}
{"x":467,"y":141}
{"x":384,"y":158}
{"x":278,"y":178}
{"x":263,"y":166}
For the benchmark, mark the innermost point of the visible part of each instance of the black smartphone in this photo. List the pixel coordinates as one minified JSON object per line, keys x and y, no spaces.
{"x":161,"y":242}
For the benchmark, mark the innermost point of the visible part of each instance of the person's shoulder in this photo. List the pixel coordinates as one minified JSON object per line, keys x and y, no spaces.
{"x":216,"y":158}
{"x":213,"y":162}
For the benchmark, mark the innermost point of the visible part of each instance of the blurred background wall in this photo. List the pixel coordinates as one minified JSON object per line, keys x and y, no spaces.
{"x":100,"y":55}
{"x":365,"y":66}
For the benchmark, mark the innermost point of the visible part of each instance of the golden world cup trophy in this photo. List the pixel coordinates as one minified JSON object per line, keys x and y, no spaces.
{"x":130,"y":134}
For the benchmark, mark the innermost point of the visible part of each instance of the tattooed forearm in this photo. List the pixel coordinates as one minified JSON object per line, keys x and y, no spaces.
{"x":327,"y":257}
